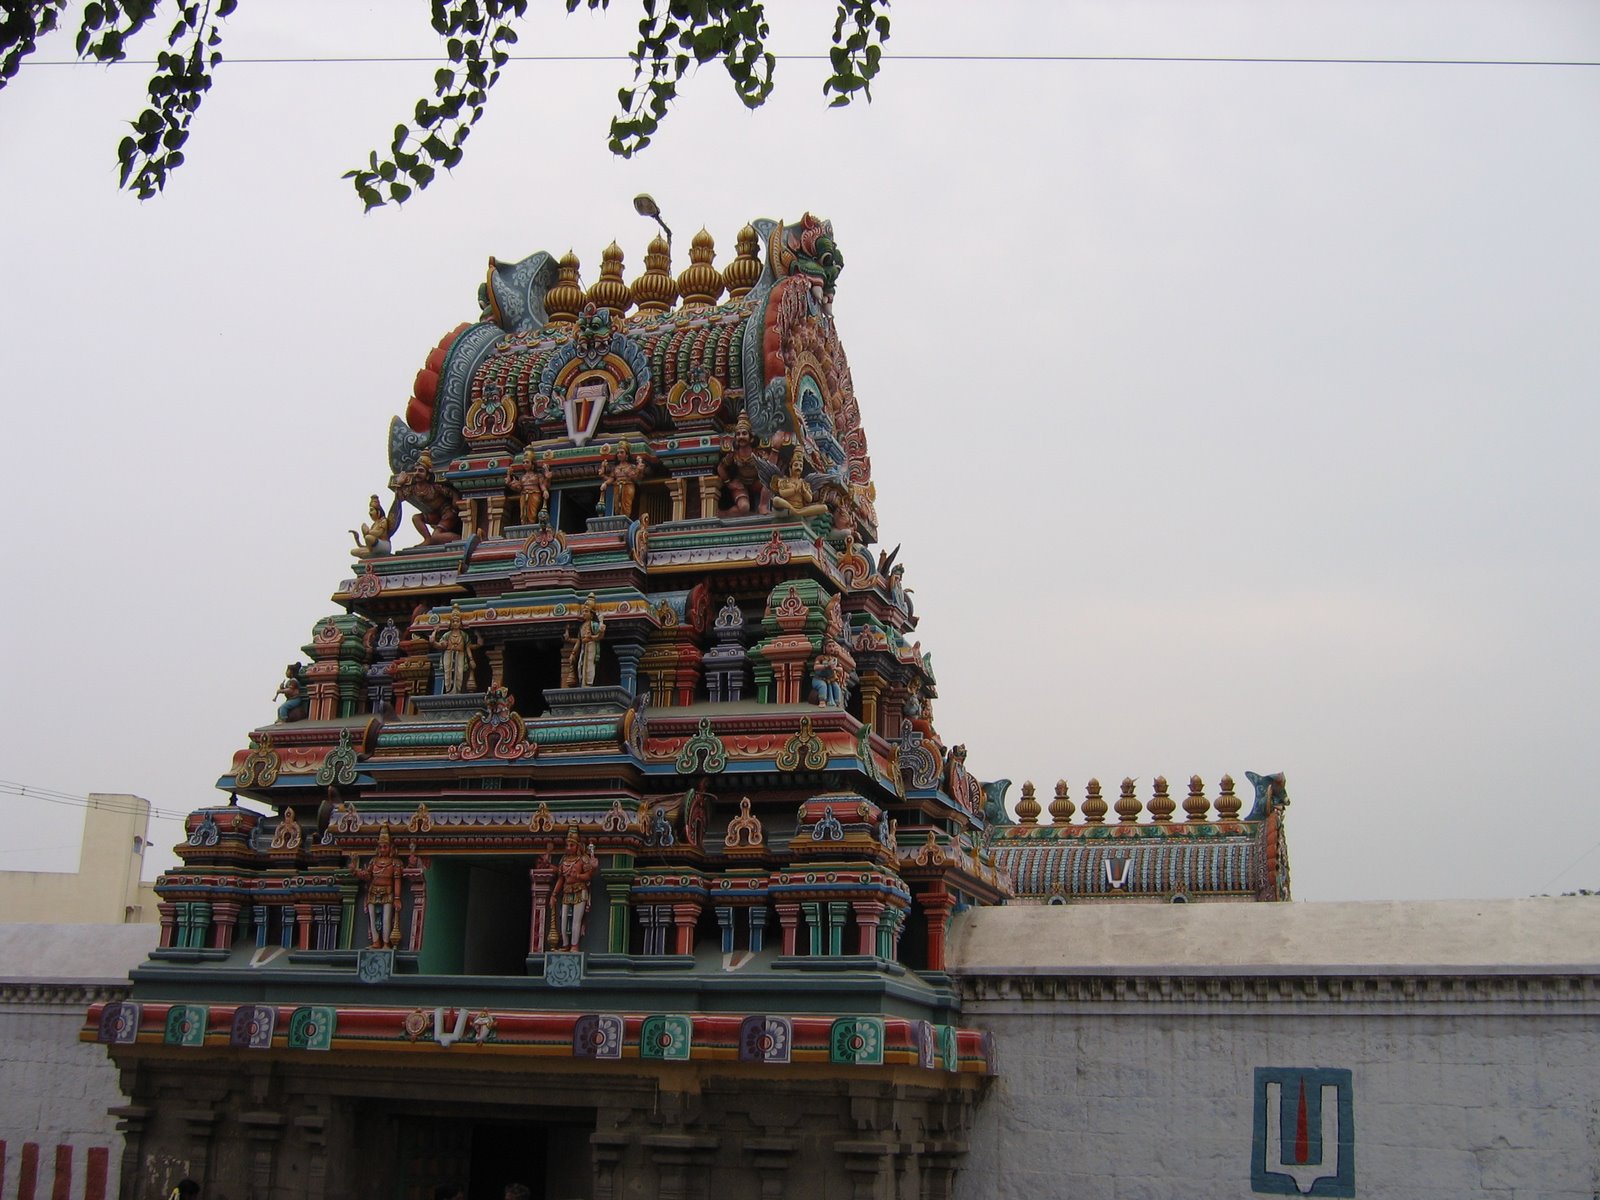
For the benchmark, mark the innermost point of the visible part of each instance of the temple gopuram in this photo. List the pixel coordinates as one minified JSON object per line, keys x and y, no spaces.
{"x":603,"y":840}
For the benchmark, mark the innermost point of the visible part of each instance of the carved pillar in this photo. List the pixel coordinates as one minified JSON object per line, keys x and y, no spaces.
{"x":938,"y":1164}
{"x":349,"y":892}
{"x":838,"y":914}
{"x":789,"y":919}
{"x":199,"y":1124}
{"x":868,"y":914}
{"x":304,"y":925}
{"x":169,"y":923}
{"x":617,"y":882}
{"x":497,"y":516}
{"x":685,"y":915}
{"x":725,"y":918}
{"x":199,"y":923}
{"x":313,"y":1127}
{"x":710,"y":490}
{"x":130,"y":1124}
{"x":540,"y":880}
{"x":417,"y":878}
{"x":678,"y":490}
{"x":871,"y":689}
{"x":936,"y":907}
{"x":771,"y":1156}
{"x":868,"y":1164}
{"x":682,"y":1163}
{"x":607,"y":1149}
{"x":469,"y":516}
{"x":813,"y":912}
{"x":889,"y":727}
{"x":263,"y":1130}
{"x":758,"y":928}
{"x":628,"y":648}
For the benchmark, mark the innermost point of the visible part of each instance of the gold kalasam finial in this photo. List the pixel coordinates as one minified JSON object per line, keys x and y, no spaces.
{"x":1195,"y":804}
{"x":609,"y":291}
{"x":1161,"y":805}
{"x":1094,"y":804}
{"x":1128,"y":806}
{"x":1061,"y":807}
{"x":654,"y":291}
{"x":564,"y":301}
{"x":1227,"y":802}
{"x":742,"y":273}
{"x":701,"y":283}
{"x":1028,"y":806}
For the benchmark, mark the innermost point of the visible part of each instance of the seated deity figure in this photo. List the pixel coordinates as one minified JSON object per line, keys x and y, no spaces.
{"x":294,"y":706}
{"x":570,"y":897}
{"x":827,"y":690}
{"x":793,"y":494}
{"x":374,"y":540}
{"x":532,"y":484}
{"x":458,"y":642}
{"x":382,"y":875}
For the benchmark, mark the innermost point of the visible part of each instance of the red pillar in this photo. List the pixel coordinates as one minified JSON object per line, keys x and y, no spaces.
{"x":789,"y":918}
{"x":169,"y":924}
{"x":61,"y":1189}
{"x":302,"y":926}
{"x":225,"y":915}
{"x":96,"y":1174}
{"x":28,"y":1177}
{"x":868,"y":914}
{"x":937,"y":906}
{"x":684,"y":919}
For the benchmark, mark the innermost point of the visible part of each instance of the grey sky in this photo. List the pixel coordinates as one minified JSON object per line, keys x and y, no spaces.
{"x":1231,"y":415}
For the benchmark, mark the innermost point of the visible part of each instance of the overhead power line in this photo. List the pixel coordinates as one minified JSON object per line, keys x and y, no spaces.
{"x":117,"y":804}
{"x":352,"y":59}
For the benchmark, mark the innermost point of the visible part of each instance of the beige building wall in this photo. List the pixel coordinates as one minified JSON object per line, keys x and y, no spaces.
{"x":106,"y":887}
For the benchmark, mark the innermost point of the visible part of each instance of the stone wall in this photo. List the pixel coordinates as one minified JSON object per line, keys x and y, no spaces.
{"x":54,"y":1127}
{"x":1439,"y":1080}
{"x":57,"y":1137}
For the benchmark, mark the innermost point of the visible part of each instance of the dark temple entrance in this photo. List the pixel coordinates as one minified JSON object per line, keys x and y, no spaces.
{"x":551,"y":1158}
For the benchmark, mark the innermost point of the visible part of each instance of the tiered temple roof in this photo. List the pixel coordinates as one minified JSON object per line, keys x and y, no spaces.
{"x":634,"y":734}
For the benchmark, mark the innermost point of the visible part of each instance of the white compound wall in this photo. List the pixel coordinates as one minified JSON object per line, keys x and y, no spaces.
{"x":57,"y":1138}
{"x":1121,"y":1078}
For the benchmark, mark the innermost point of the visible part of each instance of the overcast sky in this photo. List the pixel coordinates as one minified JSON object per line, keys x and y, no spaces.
{"x":1230,"y":415}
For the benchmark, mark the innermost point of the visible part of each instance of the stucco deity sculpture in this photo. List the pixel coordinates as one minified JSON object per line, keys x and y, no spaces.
{"x":436,"y":518}
{"x":374,"y":540}
{"x":570,"y":898}
{"x":294,"y":706}
{"x":532,"y":484}
{"x":458,"y":642}
{"x":793,"y":493}
{"x":385,"y":905}
{"x":622,"y":476}
{"x":584,"y":647}
{"x":740,"y":471}
{"x":827,"y":689}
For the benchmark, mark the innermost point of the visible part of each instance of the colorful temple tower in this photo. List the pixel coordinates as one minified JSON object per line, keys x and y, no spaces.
{"x":610,"y":844}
